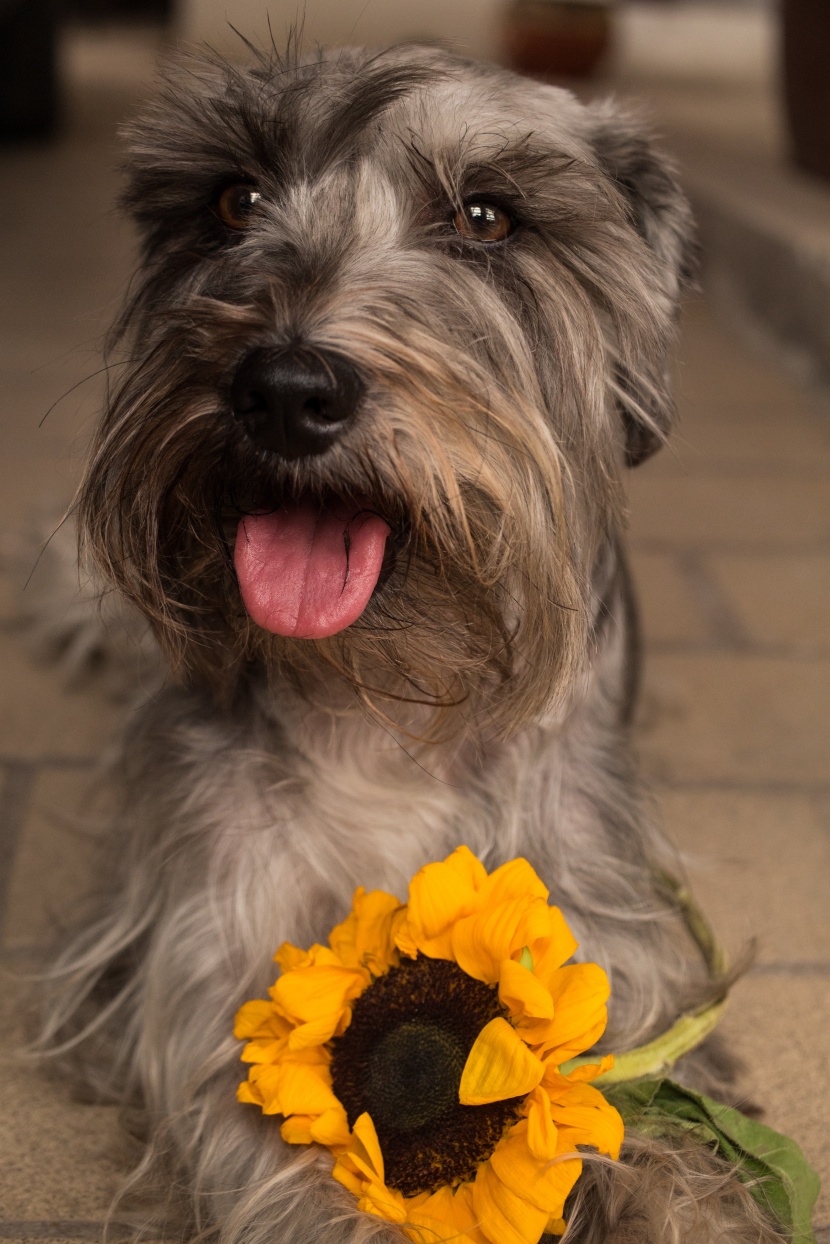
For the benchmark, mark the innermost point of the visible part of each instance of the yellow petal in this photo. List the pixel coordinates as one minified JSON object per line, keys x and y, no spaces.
{"x":439,"y":895}
{"x":249,"y":1094}
{"x":448,"y":1215}
{"x":544,"y":1183}
{"x":590,"y":1071}
{"x":504,"y":1215}
{"x":264,"y":1084}
{"x":268,"y":1030}
{"x":365,"y":938}
{"x":360,"y":1169}
{"x":552,"y":1049}
{"x":348,"y":1177}
{"x":556,"y":1226}
{"x":523,"y":993}
{"x":406,"y":940}
{"x":332,"y":1128}
{"x":550,"y":941}
{"x":541,"y":1130}
{"x":383,"y":1202}
{"x":467,"y":867}
{"x":315,"y":1032}
{"x":262,"y":1051}
{"x":305,"y":1088}
{"x":515,"y":879}
{"x":257,"y":1018}
{"x":584,"y":1112}
{"x":290,"y":957}
{"x":309,"y":992}
{"x":364,"y":1150}
{"x":579,"y":994}
{"x":498,"y":1066}
{"x":297,"y":1130}
{"x":480,"y":943}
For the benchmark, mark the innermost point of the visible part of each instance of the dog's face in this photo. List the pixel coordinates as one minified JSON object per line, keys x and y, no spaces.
{"x":400,"y":322}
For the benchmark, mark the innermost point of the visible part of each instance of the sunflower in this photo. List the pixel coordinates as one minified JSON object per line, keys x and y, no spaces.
{"x":425,"y":1045}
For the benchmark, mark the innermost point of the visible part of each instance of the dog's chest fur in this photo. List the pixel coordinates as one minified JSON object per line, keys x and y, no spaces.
{"x":264,"y":820}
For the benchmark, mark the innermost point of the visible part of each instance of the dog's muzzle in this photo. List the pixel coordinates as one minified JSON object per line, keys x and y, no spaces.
{"x":295,"y":402}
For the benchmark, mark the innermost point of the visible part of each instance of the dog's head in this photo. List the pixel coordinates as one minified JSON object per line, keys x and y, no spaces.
{"x":400,"y":322}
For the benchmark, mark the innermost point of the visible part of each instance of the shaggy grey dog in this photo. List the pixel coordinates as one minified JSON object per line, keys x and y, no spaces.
{"x":400,"y":326}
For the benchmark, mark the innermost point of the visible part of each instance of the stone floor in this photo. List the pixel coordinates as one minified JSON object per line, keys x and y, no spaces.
{"x":730,"y":531}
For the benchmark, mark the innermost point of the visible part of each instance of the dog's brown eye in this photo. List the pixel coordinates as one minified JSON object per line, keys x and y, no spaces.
{"x":484,"y":222}
{"x":237,"y":205}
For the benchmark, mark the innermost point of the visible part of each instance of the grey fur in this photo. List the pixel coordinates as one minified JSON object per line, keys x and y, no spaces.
{"x":484,"y":695}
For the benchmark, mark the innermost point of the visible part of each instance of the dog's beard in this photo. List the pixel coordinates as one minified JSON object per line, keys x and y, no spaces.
{"x":474,"y":606}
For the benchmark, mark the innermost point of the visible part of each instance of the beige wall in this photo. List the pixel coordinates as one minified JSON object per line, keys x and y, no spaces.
{"x":472,"y":26}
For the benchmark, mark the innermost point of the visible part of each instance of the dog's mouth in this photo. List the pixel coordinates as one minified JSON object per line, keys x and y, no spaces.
{"x":308,"y":568}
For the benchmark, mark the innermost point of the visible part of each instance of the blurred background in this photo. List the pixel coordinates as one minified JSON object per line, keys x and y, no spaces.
{"x":729,"y":527}
{"x":740,"y":90}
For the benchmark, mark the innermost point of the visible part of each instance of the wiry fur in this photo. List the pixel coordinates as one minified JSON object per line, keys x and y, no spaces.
{"x":484,"y":695}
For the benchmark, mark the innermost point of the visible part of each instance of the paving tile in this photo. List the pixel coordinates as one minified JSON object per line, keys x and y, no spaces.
{"x":50,"y":409}
{"x":65,"y":252}
{"x":71,"y":1236}
{"x":60,"y":1159}
{"x":723,"y":444}
{"x":669,"y":612}
{"x":22,"y":508}
{"x":732,"y":717}
{"x":9,"y":594}
{"x":736,"y":414}
{"x":779,"y":1026}
{"x":784,"y":599}
{"x":716,"y":374}
{"x":705,"y":511}
{"x":733,"y":845}
{"x":721,"y":382}
{"x":52,"y":872}
{"x":38,"y":716}
{"x":72,"y":1233}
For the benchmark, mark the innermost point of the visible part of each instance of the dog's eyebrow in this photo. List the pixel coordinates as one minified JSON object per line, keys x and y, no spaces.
{"x":364,"y":99}
{"x":516,"y":165}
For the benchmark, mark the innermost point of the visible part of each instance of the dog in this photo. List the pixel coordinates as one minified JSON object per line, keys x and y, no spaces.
{"x":401,"y":324}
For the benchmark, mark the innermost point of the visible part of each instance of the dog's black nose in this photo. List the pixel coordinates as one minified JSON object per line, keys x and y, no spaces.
{"x":295,"y":402}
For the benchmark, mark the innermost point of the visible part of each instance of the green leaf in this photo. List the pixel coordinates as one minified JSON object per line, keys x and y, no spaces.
{"x":526,"y":958}
{"x":773,"y":1166}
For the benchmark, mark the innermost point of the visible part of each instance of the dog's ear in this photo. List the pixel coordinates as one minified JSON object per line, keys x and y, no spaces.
{"x":661,"y":215}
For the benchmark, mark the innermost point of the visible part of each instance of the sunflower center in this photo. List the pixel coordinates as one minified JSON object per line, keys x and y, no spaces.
{"x":414,"y":1074}
{"x":401,"y":1059}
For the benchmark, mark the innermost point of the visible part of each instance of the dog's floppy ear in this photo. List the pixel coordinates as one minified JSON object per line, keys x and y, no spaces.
{"x":661,"y":215}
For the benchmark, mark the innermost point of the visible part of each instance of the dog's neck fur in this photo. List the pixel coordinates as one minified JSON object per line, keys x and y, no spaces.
{"x":293,"y":807}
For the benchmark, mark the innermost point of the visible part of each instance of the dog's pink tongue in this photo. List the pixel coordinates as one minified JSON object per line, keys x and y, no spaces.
{"x":306,"y":571}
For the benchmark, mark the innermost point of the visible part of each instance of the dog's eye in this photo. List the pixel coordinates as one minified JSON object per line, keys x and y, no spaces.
{"x":483,"y":222}
{"x":237,"y":205}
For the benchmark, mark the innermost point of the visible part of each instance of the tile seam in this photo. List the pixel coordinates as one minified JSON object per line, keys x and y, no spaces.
{"x":50,"y":761}
{"x":735,"y":546}
{"x":790,"y":969}
{"x":15,"y":797}
{"x":750,"y":786}
{"x":799,"y":653}
{"x":722,"y":622}
{"x":68,"y":1228}
{"x":765,"y":470}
